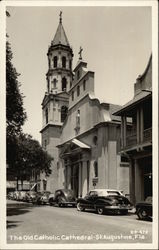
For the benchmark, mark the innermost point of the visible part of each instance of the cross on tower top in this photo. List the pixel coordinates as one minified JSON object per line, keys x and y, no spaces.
{"x":60,"y":15}
{"x":80,"y":53}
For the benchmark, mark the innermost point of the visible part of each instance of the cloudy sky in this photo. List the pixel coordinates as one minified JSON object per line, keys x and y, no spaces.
{"x":116,"y":45}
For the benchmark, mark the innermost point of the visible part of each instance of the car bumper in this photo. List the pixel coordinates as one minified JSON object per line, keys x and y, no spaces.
{"x":68,"y":203}
{"x":119,"y":207}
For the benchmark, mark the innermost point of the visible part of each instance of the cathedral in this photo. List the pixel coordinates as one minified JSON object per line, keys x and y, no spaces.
{"x":79,"y":131}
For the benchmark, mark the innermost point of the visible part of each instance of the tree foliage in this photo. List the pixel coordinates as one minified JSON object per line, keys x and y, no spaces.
{"x":24,"y":154}
{"x":15,"y":114}
{"x":30,"y":156}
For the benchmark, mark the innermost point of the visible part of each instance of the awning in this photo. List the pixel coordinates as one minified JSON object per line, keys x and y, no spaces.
{"x":137,"y":99}
{"x":33,"y":186}
{"x":80,"y":144}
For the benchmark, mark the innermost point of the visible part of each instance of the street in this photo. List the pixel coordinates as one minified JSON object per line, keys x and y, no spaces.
{"x":27,"y":223}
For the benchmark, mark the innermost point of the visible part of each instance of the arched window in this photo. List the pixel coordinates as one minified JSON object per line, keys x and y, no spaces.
{"x":78,"y":90}
{"x":72,"y":95}
{"x":95,"y":169}
{"x":53,"y":84}
{"x":55,"y":61}
{"x":64,"y":83}
{"x":95,"y":140}
{"x":46,"y":115}
{"x":78,"y":74}
{"x":64,"y":62}
{"x":84,"y":85}
{"x":64,"y":111}
{"x":78,"y":119}
{"x":70,"y":64}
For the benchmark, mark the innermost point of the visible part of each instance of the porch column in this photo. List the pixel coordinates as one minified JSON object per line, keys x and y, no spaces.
{"x":84,"y":178}
{"x":138,"y":182}
{"x":69,"y":176}
{"x":132,"y":181}
{"x":122,"y":132}
{"x":138,"y":126}
{"x":80,"y":180}
{"x":124,"y":127}
{"x":141,"y":123}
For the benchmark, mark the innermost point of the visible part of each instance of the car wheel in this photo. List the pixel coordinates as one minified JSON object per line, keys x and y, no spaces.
{"x":100,"y":210}
{"x":142,"y":214}
{"x":79,"y":207}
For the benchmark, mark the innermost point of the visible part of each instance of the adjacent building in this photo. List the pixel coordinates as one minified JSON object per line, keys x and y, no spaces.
{"x":79,"y":131}
{"x":136,"y":140}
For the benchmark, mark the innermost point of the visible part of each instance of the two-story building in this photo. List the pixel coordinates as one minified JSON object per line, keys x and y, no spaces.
{"x":136,"y":139}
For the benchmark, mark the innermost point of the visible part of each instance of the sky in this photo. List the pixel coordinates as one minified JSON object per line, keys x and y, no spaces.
{"x":116,"y":44}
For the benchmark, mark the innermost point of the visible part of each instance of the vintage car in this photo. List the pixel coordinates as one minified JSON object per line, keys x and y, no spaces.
{"x":105,"y":200}
{"x":10,"y":195}
{"x":43,"y":198}
{"x":63,"y":197}
{"x":30,"y":196}
{"x":144,"y":209}
{"x":16,"y":195}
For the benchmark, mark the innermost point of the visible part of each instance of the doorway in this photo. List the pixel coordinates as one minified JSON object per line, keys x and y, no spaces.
{"x":75,"y":179}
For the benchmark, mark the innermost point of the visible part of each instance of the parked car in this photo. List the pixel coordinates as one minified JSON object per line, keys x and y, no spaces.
{"x":105,"y":200}
{"x":30,"y":196}
{"x":10,"y":195}
{"x":16,"y":195}
{"x":43,"y":198}
{"x":21,"y":195}
{"x":63,"y":197}
{"x":144,"y":209}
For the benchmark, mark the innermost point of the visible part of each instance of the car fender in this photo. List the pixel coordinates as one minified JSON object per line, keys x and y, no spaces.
{"x":101,"y":203}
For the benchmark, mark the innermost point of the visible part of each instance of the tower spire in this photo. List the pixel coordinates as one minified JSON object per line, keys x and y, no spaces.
{"x":60,"y":15}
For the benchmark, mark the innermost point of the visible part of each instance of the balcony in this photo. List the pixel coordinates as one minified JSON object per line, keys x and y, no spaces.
{"x":147,"y":135}
{"x":131,"y":140}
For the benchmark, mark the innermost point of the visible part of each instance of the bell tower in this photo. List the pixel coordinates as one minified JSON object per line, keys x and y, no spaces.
{"x":59,"y":75}
{"x":59,"y":79}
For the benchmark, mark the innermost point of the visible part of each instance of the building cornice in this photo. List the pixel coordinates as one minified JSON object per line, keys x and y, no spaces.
{"x":50,"y":125}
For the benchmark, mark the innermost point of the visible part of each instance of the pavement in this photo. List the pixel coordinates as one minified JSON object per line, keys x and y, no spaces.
{"x":27,"y":223}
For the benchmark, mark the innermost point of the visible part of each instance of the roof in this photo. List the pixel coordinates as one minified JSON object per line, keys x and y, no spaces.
{"x":80,"y":144}
{"x":60,"y":36}
{"x":137,"y":99}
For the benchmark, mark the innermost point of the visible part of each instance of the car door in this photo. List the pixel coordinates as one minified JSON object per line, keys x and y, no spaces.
{"x":91,"y":198}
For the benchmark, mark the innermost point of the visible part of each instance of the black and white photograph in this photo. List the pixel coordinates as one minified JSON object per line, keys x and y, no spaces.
{"x":79,"y":105}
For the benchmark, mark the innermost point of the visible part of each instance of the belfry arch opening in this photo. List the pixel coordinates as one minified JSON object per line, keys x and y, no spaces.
{"x":55,"y":61}
{"x":64,"y":84}
{"x":64,"y":62}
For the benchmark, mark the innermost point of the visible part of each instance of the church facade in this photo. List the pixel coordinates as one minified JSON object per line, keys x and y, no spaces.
{"x":79,"y":131}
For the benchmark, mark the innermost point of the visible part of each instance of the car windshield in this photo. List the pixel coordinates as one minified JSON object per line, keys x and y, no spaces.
{"x":68,"y":192}
{"x":104,"y":193}
{"x":113,"y":192}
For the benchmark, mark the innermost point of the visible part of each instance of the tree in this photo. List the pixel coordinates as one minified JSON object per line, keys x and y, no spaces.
{"x":23,"y":153}
{"x":30,"y":157}
{"x":15,"y":114}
